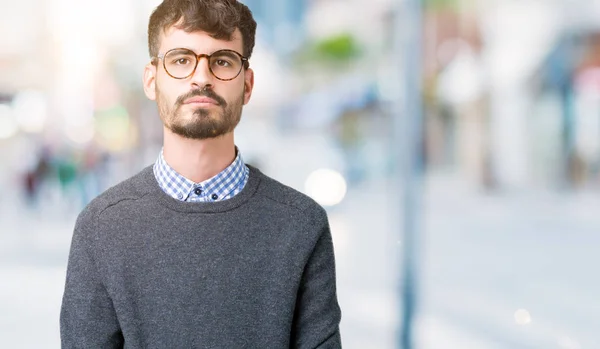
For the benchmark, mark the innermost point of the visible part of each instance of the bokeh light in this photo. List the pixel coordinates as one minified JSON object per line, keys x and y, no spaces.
{"x":8,"y":124}
{"x":31,"y":111}
{"x":326,"y":186}
{"x":522,"y":317}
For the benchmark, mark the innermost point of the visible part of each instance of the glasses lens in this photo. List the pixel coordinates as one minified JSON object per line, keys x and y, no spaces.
{"x":180,"y":63}
{"x":225,"y":64}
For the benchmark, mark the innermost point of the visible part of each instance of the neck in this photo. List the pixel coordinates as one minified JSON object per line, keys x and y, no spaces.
{"x":198,"y":160}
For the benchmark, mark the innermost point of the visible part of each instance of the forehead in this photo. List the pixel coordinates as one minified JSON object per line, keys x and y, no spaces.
{"x":198,"y":41}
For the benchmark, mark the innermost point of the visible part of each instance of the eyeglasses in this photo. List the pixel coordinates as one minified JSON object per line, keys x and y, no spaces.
{"x":181,"y":63}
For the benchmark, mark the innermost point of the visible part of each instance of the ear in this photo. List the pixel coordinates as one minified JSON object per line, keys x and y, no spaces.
{"x":150,"y":81}
{"x":248,"y":84}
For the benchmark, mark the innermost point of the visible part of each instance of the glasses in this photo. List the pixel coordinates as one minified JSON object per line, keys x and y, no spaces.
{"x":225,"y":65}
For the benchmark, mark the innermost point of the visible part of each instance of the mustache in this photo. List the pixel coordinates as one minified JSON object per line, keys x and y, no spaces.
{"x":201,"y":93}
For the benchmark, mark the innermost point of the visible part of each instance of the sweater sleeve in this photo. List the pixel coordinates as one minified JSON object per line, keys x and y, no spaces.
{"x":317,"y":315}
{"x":87,"y":317}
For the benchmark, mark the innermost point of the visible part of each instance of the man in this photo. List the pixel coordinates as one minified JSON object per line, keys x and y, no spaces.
{"x":200,"y":250}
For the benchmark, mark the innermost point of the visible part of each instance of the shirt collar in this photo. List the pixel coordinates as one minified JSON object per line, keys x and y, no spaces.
{"x":220,"y":187}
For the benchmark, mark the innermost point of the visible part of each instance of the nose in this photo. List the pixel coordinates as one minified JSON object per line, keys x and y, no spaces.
{"x":202,"y":77}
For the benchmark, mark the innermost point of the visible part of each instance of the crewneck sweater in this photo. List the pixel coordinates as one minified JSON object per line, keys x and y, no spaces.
{"x":148,"y":271}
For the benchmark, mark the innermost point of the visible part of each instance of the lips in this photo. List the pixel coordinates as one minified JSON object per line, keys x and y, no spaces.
{"x":200,"y":99}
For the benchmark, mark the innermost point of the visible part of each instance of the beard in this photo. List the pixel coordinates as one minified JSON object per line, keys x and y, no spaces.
{"x":203,"y":123}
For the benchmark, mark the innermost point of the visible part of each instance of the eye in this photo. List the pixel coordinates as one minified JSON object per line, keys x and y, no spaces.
{"x":181,"y":61}
{"x":222,"y":63}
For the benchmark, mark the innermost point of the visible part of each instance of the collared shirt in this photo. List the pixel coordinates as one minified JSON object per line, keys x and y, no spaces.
{"x":223,"y":186}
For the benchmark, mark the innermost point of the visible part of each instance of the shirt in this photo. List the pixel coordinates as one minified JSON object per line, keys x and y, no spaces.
{"x":223,"y":186}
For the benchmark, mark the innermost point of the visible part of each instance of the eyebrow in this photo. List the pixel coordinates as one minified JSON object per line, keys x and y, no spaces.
{"x":226,"y":54}
{"x":180,"y":49}
{"x":176,"y":49}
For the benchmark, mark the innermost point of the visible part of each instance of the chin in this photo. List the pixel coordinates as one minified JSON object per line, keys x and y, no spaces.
{"x":201,"y":112}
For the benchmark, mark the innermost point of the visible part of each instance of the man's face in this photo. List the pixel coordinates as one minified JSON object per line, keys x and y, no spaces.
{"x":200,"y":106}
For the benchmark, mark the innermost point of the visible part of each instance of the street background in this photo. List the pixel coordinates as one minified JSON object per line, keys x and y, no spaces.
{"x":507,"y":229}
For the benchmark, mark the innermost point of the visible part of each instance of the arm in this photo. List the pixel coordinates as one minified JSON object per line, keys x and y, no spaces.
{"x":317,"y":315}
{"x":87,"y":317}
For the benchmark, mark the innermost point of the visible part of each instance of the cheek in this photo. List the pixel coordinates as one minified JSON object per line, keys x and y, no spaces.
{"x":164,"y":91}
{"x":236,"y":92}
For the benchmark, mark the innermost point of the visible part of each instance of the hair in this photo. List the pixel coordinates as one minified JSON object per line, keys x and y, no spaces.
{"x":219,"y":18}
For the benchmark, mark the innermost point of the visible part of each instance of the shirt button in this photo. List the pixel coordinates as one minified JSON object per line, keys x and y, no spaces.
{"x":215,"y":196}
{"x":197,"y":191}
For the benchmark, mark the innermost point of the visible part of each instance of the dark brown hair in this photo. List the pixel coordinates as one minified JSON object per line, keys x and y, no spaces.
{"x":219,"y":18}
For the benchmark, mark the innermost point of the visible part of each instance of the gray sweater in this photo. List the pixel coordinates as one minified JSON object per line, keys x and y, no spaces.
{"x":148,"y":271}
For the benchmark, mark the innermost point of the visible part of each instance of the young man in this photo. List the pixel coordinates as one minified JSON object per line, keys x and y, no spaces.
{"x":200,"y":250}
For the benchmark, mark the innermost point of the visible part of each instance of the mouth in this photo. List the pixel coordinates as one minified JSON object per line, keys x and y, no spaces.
{"x":201,"y":101}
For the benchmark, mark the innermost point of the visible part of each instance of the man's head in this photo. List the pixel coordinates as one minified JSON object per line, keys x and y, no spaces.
{"x":199,"y":97}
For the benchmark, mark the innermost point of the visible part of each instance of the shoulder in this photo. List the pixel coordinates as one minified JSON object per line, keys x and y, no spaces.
{"x":289,"y":197}
{"x":132,"y":188}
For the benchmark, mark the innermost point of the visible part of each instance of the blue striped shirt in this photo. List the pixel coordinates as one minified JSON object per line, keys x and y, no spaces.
{"x":223,"y":186}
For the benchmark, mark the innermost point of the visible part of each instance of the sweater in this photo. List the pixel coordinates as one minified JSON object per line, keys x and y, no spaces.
{"x":148,"y":271}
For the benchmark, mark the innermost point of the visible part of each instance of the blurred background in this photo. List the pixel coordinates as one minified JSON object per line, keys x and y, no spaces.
{"x":505,"y":232}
